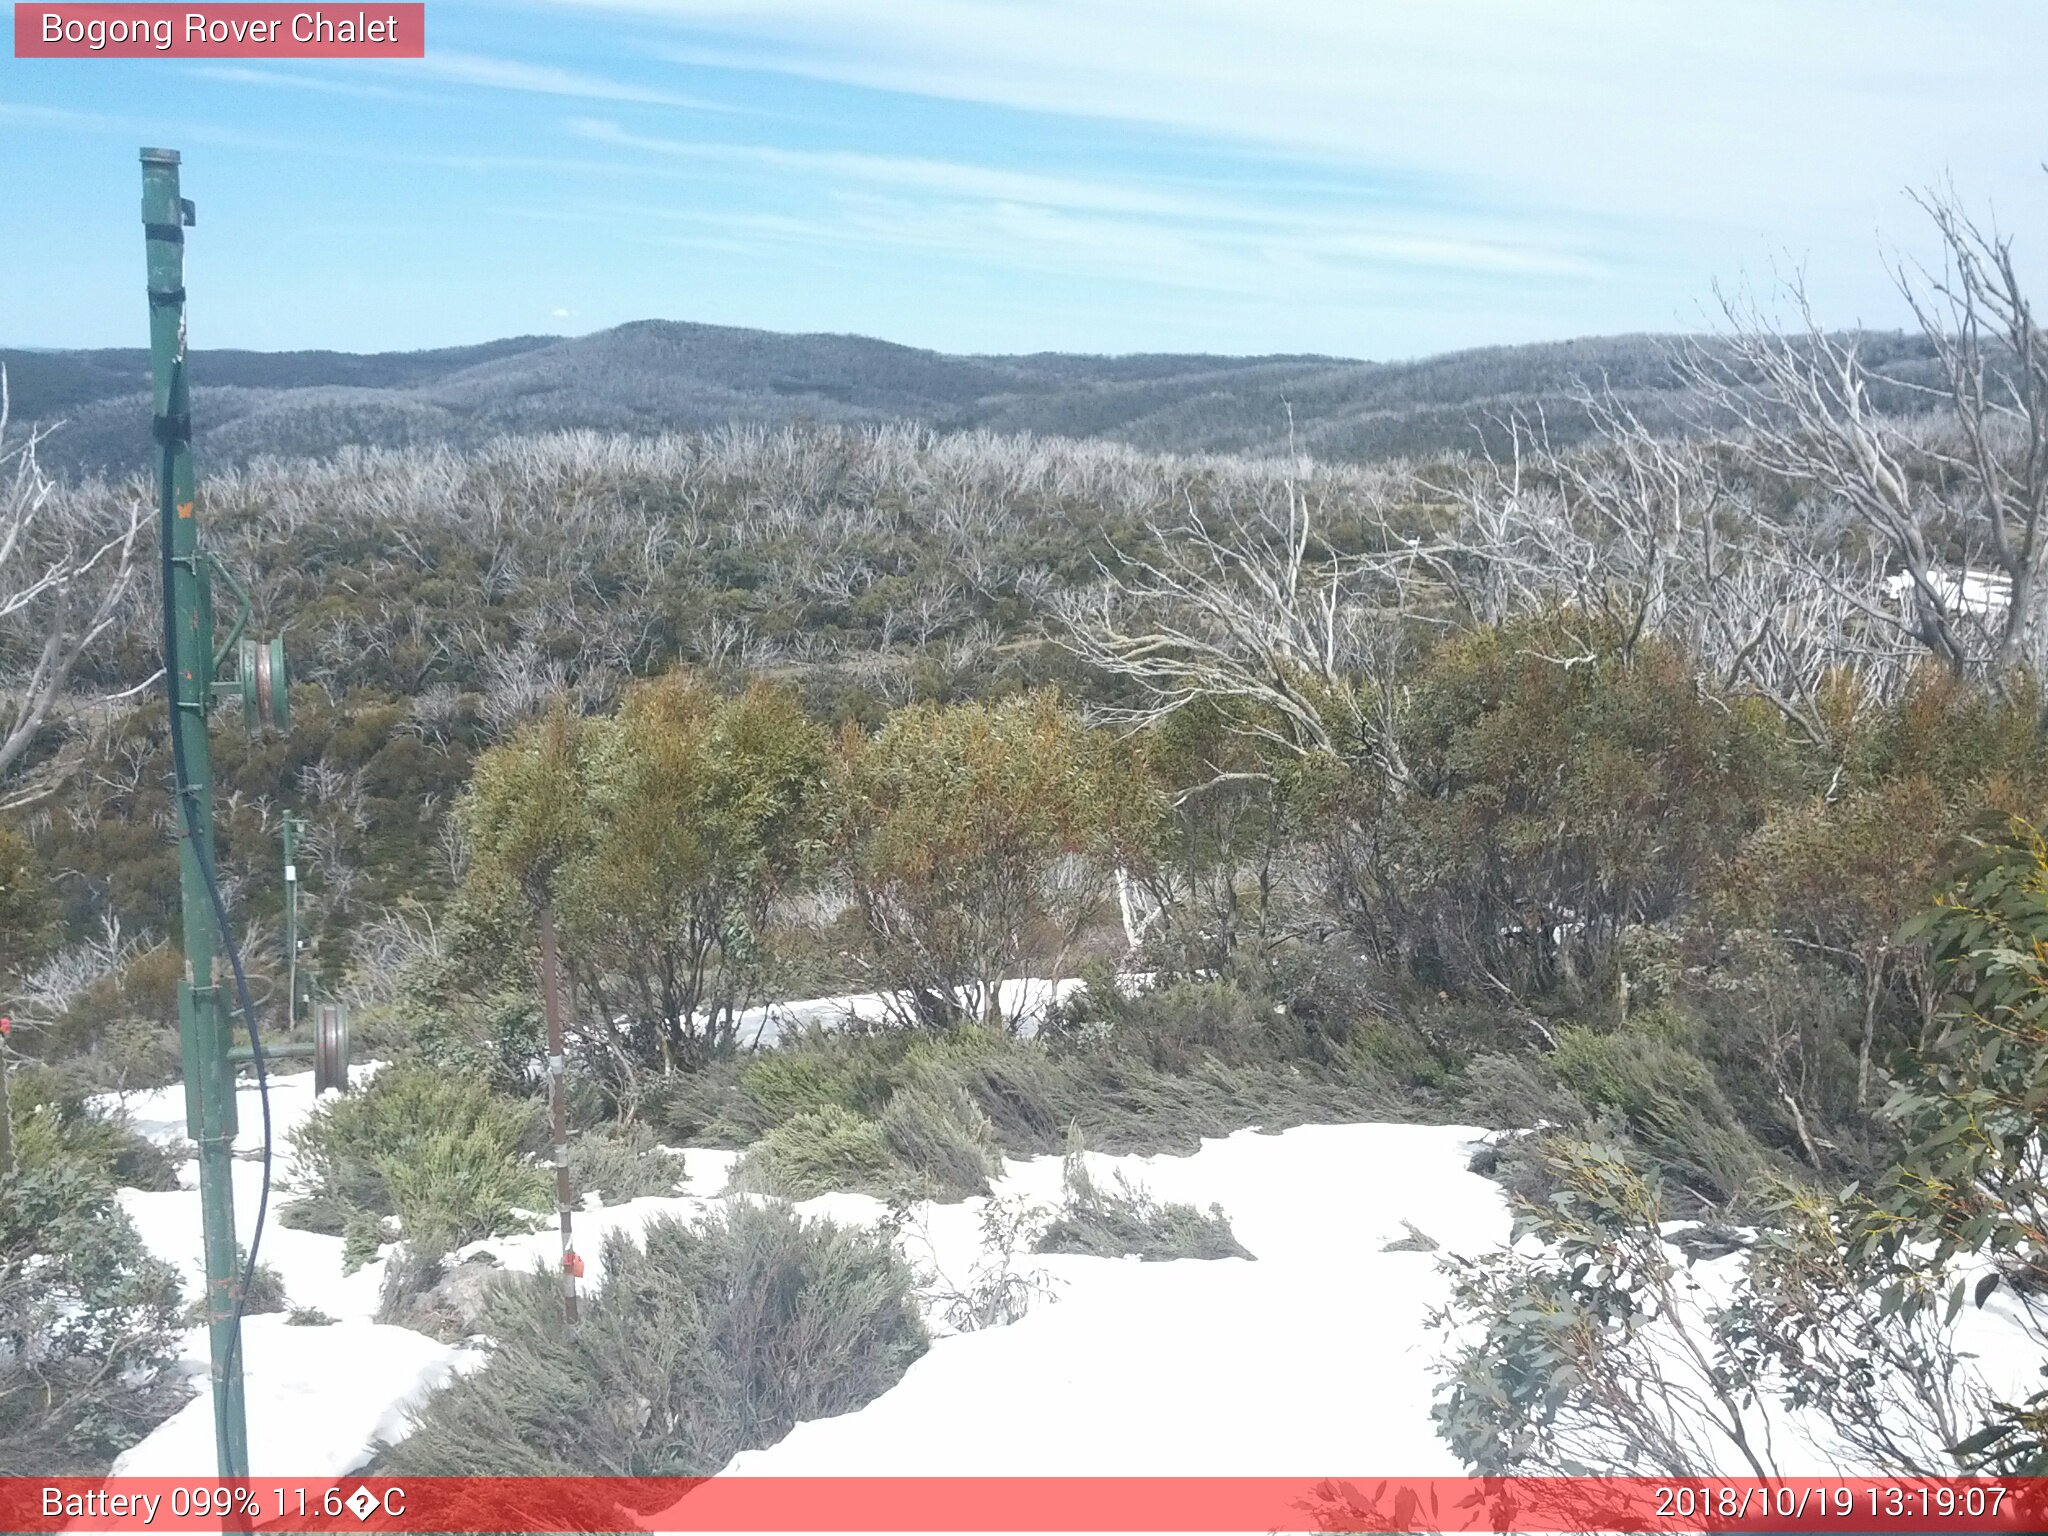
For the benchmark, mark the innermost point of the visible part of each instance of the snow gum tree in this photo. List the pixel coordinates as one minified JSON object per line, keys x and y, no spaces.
{"x":659,"y":837}
{"x":702,"y":810}
{"x":1561,"y":793}
{"x":1973,"y":1183}
{"x":978,"y":839}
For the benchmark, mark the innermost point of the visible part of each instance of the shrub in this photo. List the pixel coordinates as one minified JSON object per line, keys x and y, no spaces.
{"x":316,"y":1213}
{"x":265,"y":1293}
{"x":1551,"y":807}
{"x":52,"y":1124}
{"x":1016,"y":1085}
{"x":499,"y":1039}
{"x":1020,"y":1092}
{"x":937,"y":1131}
{"x":660,"y":837}
{"x":1128,"y":1222}
{"x":1176,"y":1026}
{"x":618,"y":1163}
{"x":126,"y":1054}
{"x":409,"y":1275}
{"x":1670,"y":1100}
{"x":1972,"y":1179}
{"x":995,"y":1292}
{"x":815,"y":1071}
{"x":88,"y":1322}
{"x":1516,"y":1093}
{"x":977,"y":836}
{"x":1585,"y":1349}
{"x":816,"y":1152}
{"x":703,"y":1342}
{"x":706,"y":1108}
{"x":446,"y":1155}
{"x":360,"y":1239}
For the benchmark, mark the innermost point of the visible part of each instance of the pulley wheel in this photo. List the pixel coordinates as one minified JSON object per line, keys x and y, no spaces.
{"x":266,"y":694}
{"x":330,"y":1048}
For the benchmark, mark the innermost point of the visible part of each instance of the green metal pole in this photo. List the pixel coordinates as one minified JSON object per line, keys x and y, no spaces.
{"x":188,"y":633}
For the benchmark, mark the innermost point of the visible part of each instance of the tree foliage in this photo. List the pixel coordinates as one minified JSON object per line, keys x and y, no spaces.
{"x":974,"y":836}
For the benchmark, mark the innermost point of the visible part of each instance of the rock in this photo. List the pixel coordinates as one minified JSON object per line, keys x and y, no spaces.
{"x":460,"y":1299}
{"x":1485,"y":1160}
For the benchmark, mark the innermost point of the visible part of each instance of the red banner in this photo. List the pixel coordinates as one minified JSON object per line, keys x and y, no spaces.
{"x":240,"y":31}
{"x":1051,"y":1504}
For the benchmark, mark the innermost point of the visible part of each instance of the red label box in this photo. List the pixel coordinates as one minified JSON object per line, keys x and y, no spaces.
{"x":368,"y":29}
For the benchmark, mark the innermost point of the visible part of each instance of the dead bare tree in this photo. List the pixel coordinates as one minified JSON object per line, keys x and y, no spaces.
{"x":1956,"y":499}
{"x":1650,"y":534}
{"x":66,"y":567}
{"x":1254,"y":610}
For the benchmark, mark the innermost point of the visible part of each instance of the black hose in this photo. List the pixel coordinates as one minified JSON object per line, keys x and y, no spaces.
{"x":203,"y":855}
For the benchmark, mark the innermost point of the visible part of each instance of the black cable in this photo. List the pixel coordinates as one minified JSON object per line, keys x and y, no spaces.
{"x":204,"y":857}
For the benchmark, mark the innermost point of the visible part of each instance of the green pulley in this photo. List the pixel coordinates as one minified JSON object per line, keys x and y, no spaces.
{"x":330,"y":1048}
{"x":266,"y":698}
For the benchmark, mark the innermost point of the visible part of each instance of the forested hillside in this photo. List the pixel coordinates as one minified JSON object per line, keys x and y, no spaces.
{"x":657,"y":376}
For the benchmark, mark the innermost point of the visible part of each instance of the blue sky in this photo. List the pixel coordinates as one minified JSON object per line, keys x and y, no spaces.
{"x":1375,"y":178}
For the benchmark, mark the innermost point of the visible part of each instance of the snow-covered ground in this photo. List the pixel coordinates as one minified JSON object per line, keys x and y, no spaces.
{"x":1121,"y":1366}
{"x":1024,"y":999}
{"x":1310,"y":1360}
{"x":1313,"y":1356}
{"x":318,"y":1397}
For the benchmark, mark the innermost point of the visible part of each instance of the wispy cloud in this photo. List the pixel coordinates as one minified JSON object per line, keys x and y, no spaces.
{"x":320,"y":85}
{"x":498,"y":74}
{"x":1159,"y":225}
{"x":1729,"y":115}
{"x":124,"y":125}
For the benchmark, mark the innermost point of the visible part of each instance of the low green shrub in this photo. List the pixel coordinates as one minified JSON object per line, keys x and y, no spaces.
{"x":88,"y":1321}
{"x":1015,"y":1084}
{"x":315,"y":1213}
{"x":448,"y":1156}
{"x":52,"y":1123}
{"x":819,"y":1151}
{"x":496,"y":1040}
{"x":703,"y":1341}
{"x":1517,"y":1093}
{"x":265,"y":1293}
{"x":361,"y":1237}
{"x":811,"y":1073}
{"x":410,"y":1273}
{"x":1668,"y":1097}
{"x":940,"y":1134}
{"x":1127,"y":1222}
{"x":1177,"y":1026}
{"x":618,"y":1163}
{"x":1155,"y":1072}
{"x":706,"y":1108}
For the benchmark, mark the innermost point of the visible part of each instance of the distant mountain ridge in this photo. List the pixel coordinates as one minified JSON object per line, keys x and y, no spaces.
{"x":658,"y":375}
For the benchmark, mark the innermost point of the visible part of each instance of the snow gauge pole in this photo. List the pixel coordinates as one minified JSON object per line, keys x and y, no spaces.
{"x":558,"y":1105}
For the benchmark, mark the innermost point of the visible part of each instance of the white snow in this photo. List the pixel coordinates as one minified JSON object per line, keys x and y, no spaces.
{"x":318,"y":1397}
{"x":1024,"y":999}
{"x":1312,"y":1359}
{"x":1126,"y":1366}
